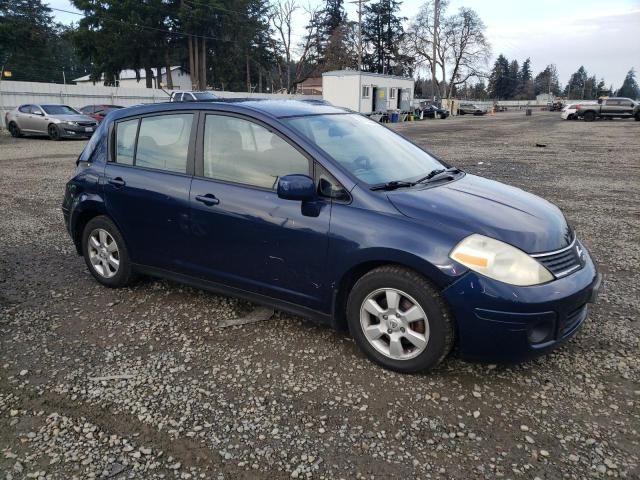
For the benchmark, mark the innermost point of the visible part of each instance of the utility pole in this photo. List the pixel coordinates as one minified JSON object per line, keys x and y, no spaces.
{"x":436,"y":22}
{"x":359,"y":3}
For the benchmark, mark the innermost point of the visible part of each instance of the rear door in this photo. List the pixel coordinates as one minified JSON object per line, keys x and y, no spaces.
{"x":244,"y":234}
{"x":147,"y":184}
{"x":626,"y":108}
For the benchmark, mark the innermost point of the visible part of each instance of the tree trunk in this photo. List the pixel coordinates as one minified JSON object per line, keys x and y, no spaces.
{"x":159,"y":77}
{"x":248,"y":75}
{"x":196,"y":65}
{"x":203,"y":65}
{"x":260,"y":79}
{"x":169,"y":74}
{"x":148,"y":77}
{"x":192,"y":66}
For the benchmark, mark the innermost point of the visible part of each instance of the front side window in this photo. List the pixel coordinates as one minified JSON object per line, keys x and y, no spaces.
{"x":240,"y":151}
{"x":25,"y":109}
{"x":59,"y":110}
{"x":370,"y":151}
{"x":126,"y":141}
{"x":163,"y":142}
{"x":365,"y":91}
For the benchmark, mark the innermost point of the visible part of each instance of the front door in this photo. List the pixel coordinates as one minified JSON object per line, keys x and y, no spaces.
{"x":244,"y":234}
{"x":147,"y":187}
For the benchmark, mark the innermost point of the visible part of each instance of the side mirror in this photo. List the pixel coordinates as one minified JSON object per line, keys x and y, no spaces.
{"x":297,"y":187}
{"x":38,"y":112}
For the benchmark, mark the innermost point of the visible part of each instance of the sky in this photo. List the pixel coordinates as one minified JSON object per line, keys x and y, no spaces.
{"x":602,"y":35}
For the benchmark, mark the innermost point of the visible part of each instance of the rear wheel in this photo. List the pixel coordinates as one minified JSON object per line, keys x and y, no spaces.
{"x":589,"y":116}
{"x":106,"y":254}
{"x":637,"y":117}
{"x":399,"y":320}
{"x":14,"y":130}
{"x":54,"y":132}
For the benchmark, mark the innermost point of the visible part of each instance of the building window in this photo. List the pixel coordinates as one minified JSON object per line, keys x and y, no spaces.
{"x":366,"y":91}
{"x":392,"y":93}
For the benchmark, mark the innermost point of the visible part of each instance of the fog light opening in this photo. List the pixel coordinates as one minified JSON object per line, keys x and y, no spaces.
{"x":541,"y":332}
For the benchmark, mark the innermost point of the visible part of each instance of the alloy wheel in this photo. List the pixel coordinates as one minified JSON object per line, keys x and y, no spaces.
{"x":103,"y":253}
{"x":394,"y":324}
{"x":53,"y":132}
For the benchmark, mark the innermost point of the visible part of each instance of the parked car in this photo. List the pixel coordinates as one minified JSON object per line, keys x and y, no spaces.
{"x":327,"y":214}
{"x":429,"y":110}
{"x":569,"y":112}
{"x":56,"y":121}
{"x":98,"y":112}
{"x":615,"y":107}
{"x":191,"y":96}
{"x":471,"y":109}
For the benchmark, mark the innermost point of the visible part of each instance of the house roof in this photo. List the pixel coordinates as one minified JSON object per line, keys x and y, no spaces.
{"x":341,"y":73}
{"x":127,"y":74}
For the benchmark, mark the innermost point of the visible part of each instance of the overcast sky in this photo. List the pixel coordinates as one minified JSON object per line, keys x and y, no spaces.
{"x":601,"y":35}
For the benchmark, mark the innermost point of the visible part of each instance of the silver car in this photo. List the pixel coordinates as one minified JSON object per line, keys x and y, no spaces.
{"x":56,"y":121}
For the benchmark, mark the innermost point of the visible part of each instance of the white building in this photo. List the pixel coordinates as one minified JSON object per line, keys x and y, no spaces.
{"x":181,"y":79}
{"x":366,"y":92}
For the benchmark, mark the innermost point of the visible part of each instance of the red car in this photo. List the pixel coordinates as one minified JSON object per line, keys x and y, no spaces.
{"x":98,"y":112}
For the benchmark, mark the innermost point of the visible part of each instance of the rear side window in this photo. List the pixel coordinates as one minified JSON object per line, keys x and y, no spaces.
{"x":241,"y":151}
{"x":126,"y":141}
{"x":163,"y":142}
{"x":25,"y":109}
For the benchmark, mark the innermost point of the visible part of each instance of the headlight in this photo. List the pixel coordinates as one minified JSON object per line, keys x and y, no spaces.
{"x":500,"y":261}
{"x":70,"y":123}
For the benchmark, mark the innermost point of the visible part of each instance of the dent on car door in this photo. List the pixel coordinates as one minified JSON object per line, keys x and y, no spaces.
{"x":244,"y":234}
{"x":147,"y":186}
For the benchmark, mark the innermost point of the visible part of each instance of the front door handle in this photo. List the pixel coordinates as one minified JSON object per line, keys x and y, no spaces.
{"x":117,"y":182}
{"x":209,"y":199}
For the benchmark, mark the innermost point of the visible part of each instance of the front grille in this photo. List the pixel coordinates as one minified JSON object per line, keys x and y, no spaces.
{"x":86,"y":124}
{"x":562,"y":262}
{"x":572,"y":320}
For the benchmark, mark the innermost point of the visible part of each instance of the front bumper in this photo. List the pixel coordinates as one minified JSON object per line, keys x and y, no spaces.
{"x":504,"y":323}
{"x":75,"y":131}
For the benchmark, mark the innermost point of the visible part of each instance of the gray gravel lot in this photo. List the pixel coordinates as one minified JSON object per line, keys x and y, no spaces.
{"x":179,"y":397}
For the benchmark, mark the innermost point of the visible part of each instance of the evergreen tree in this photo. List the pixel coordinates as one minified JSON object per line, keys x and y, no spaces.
{"x":27,"y":34}
{"x":547,"y":81}
{"x":525,"y":88}
{"x":629,"y":87}
{"x":383,"y":33}
{"x":499,"y":80}
{"x":514,"y":79}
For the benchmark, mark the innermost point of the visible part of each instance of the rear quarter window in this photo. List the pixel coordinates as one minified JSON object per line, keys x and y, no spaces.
{"x":95,"y":149}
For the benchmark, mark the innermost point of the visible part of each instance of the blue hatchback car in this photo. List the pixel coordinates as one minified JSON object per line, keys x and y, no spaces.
{"x":326,"y":214}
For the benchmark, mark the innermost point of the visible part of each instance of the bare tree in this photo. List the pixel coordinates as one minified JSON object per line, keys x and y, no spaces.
{"x":467,"y":47}
{"x":461,"y":46}
{"x":281,"y":17}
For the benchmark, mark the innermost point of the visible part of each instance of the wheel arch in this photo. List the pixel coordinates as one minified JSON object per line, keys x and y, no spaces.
{"x":357,"y":270}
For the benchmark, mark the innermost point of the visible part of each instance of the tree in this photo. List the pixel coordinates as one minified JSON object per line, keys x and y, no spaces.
{"x":468,"y":48}
{"x":383,"y":34}
{"x":499,"y":79}
{"x":525,"y":88}
{"x":629,"y":87}
{"x":461,"y":46}
{"x":26,"y":35}
{"x":547,"y":81}
{"x":514,"y":79}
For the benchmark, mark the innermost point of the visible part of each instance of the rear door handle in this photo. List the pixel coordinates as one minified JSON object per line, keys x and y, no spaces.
{"x":117,"y":182}
{"x":209,"y":199}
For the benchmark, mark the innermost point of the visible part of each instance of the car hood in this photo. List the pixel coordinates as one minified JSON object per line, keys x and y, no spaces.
{"x":73,"y":118}
{"x":474,"y":204}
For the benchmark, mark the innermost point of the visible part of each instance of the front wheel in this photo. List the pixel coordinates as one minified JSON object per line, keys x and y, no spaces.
{"x":54,"y":133}
{"x":589,"y":116}
{"x":399,"y":320}
{"x":637,"y":117}
{"x":105,"y":253}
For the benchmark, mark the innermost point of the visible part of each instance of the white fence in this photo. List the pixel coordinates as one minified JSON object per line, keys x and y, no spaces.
{"x":13,"y":94}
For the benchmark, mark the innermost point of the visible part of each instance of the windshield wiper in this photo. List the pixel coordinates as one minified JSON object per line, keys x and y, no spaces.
{"x":438,"y":173}
{"x":393,"y":185}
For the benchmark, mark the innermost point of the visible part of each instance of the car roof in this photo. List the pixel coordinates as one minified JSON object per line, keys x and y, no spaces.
{"x":273,"y":108}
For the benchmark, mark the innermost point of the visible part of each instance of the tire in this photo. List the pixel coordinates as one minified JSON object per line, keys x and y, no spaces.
{"x":109,"y":265}
{"x":14,"y":130}
{"x":637,"y":117}
{"x":54,"y":132}
{"x":432,"y":332}
{"x":589,"y":116}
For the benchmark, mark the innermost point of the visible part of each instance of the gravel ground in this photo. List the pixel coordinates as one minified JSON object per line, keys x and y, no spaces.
{"x":144,"y":383}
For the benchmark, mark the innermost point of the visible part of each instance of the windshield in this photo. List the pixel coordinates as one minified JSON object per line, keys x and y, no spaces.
{"x":59,"y":110}
{"x":370,"y":151}
{"x":205,"y":96}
